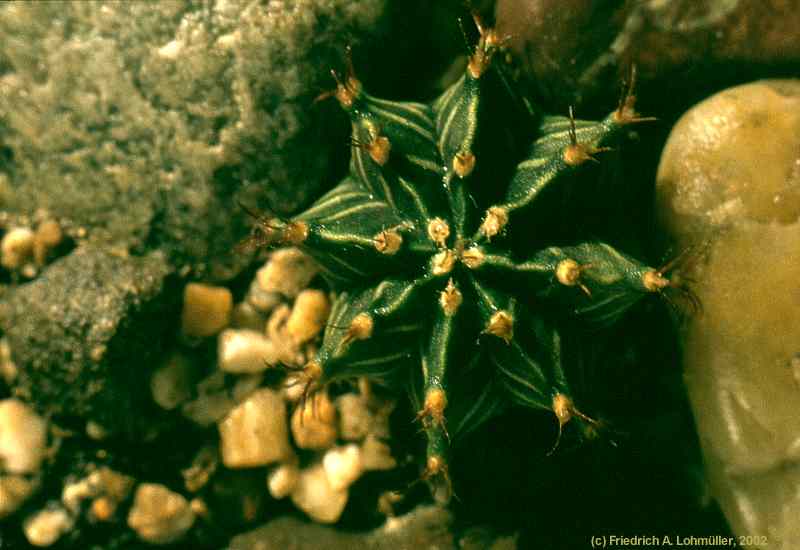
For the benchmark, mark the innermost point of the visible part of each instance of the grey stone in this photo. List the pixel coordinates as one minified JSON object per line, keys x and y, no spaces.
{"x":425,"y":527}
{"x":85,"y":333}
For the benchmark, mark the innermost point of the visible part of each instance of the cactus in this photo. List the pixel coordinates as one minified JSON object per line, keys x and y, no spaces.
{"x":436,"y":292}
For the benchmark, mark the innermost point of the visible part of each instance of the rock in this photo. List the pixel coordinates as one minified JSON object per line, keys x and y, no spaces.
{"x":203,"y":466}
{"x":343,"y":466}
{"x":255,"y":432}
{"x":245,"y":351}
{"x":288,"y":271}
{"x":282,"y":480}
{"x":141,"y":125}
{"x":206,"y":309}
{"x":425,"y":527}
{"x":309,"y":314}
{"x":158,"y":515}
{"x":14,"y":491}
{"x":576,"y":51}
{"x":172,"y":383}
{"x":314,"y":423}
{"x":23,"y":437}
{"x":84,"y":333}
{"x":729,"y":176}
{"x":46,"y":526}
{"x":262,"y":301}
{"x":104,"y":484}
{"x":376,"y":455}
{"x":314,"y":495}
{"x":16,"y":248}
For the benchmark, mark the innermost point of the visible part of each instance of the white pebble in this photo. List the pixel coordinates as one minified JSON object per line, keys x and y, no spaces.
{"x":288,"y":271}
{"x":14,"y":491}
{"x":261,"y":300}
{"x":255,"y":433}
{"x":376,"y":455}
{"x":46,"y":526}
{"x":315,"y":496}
{"x":310,"y":311}
{"x":16,"y":248}
{"x":282,"y":480}
{"x":158,"y":515}
{"x":23,"y":436}
{"x":171,"y":384}
{"x":343,"y":466}
{"x":245,"y":351}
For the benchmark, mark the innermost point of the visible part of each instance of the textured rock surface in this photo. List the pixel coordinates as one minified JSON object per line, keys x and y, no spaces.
{"x":730,"y":175}
{"x":139,"y":123}
{"x":425,"y":527}
{"x":85,"y":334}
{"x":577,"y":50}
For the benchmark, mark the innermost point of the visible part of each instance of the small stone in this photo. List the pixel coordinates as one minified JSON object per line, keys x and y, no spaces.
{"x":96,"y":431}
{"x":16,"y":248}
{"x":203,"y":466}
{"x":172,"y":383}
{"x":355,"y":419}
{"x":343,"y":466}
{"x":282,"y":480}
{"x":288,"y":271}
{"x":245,"y":351}
{"x":47,"y":237}
{"x":260,"y":300}
{"x":376,"y":455}
{"x":206,"y":309}
{"x":254,"y":433}
{"x":158,"y":515}
{"x":315,"y":496}
{"x":23,"y":436}
{"x":46,"y":526}
{"x":314,"y":423}
{"x":103,"y":509}
{"x":14,"y":491}
{"x":310,"y":311}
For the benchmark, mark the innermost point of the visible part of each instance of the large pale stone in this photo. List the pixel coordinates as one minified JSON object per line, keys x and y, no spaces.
{"x":22,"y":437}
{"x":255,"y":432}
{"x":730,"y":176}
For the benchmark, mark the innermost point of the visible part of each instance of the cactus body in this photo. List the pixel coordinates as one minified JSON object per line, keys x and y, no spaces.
{"x":435,"y":292}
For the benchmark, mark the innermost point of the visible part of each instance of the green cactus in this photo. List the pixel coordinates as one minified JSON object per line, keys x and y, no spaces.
{"x":436,"y":293}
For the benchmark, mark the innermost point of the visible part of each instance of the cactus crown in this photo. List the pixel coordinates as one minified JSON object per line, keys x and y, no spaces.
{"x":435,"y":291}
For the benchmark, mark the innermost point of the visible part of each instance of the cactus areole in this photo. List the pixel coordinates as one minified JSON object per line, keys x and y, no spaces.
{"x":434,"y":292}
